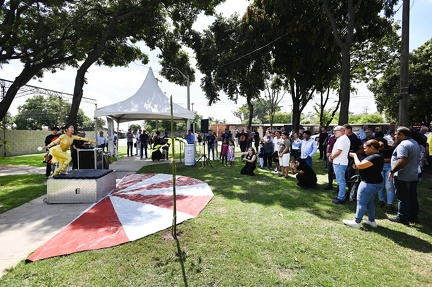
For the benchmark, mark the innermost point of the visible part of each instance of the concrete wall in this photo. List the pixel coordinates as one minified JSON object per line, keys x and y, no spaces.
{"x":21,"y":142}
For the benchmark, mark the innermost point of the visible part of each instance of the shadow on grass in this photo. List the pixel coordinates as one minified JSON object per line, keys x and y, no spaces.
{"x":405,"y":240}
{"x":268,"y":189}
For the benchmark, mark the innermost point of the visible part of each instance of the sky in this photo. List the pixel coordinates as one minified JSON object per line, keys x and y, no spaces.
{"x":112,"y":85}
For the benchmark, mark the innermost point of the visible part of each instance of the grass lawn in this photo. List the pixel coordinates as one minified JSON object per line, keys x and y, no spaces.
{"x":256,"y":231}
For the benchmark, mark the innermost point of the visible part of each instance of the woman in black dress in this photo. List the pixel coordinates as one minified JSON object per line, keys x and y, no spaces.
{"x":250,"y":160}
{"x":306,"y":177}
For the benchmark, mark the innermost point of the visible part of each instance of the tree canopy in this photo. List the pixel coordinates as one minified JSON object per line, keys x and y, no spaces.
{"x":386,"y":88}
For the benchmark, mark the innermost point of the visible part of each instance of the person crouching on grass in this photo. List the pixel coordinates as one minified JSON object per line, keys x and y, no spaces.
{"x":371,"y":182}
{"x":306,"y":177}
{"x":250,"y":160}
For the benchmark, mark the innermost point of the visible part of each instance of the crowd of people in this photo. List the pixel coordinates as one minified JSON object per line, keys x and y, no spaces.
{"x":389,"y":164}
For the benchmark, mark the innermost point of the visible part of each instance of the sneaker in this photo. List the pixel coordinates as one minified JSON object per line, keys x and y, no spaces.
{"x":338,"y":201}
{"x":389,"y":208}
{"x":351,"y":223}
{"x":370,"y":223}
{"x":276,"y":170}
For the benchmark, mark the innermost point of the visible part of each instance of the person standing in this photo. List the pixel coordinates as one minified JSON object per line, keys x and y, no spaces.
{"x":231,"y":153}
{"x":50,"y":138}
{"x":322,"y":137}
{"x":308,"y":148}
{"x":129,"y":141}
{"x":277,"y":140}
{"x":242,"y":140}
{"x":138,"y":143}
{"x":330,"y":171}
{"x":296,"y":144}
{"x":210,"y":144}
{"x":372,"y":181}
{"x":101,"y":141}
{"x":339,"y":159}
{"x":284,"y":155}
{"x":144,"y":139}
{"x":190,"y":139}
{"x":404,"y":164}
{"x":256,"y":137}
{"x":268,"y":150}
{"x":386,"y":194}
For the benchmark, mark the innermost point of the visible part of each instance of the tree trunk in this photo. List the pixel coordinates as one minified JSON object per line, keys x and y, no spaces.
{"x":345,"y":86}
{"x":250,"y":106}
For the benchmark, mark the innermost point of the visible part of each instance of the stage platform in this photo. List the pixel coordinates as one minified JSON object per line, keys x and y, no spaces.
{"x":80,"y":186}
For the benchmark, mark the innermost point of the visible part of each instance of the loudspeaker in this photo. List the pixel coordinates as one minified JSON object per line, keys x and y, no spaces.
{"x":205,"y":126}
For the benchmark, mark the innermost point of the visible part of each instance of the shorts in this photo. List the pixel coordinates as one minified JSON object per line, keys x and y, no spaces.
{"x":284,"y":160}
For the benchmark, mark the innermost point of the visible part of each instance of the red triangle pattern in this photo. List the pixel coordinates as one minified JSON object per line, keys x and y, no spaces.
{"x":99,"y":227}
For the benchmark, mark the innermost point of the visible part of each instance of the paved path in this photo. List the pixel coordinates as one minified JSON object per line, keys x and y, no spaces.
{"x":27,"y":227}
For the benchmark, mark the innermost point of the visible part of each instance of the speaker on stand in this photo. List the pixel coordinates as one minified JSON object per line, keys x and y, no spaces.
{"x":205,"y":126}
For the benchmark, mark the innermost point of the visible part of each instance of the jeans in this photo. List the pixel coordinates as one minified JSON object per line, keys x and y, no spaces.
{"x":388,"y":188}
{"x":143,"y":148}
{"x":210,"y":148}
{"x":129,"y":148}
{"x":339,"y":170}
{"x":406,"y":193}
{"x":365,"y":200}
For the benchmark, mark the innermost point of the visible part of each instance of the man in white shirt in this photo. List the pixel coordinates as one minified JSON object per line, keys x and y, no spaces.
{"x":308,"y":148}
{"x":339,"y":159}
{"x":277,"y":140}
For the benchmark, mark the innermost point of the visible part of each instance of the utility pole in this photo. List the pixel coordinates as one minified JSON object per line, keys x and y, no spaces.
{"x":404,"y":71}
{"x":3,"y":87}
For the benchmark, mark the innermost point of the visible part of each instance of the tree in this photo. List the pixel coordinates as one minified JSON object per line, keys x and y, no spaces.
{"x":40,"y":111}
{"x":386,"y":88}
{"x":355,"y":21}
{"x":222,"y":56}
{"x":34,"y":33}
{"x":297,"y":45}
{"x":113,"y":27}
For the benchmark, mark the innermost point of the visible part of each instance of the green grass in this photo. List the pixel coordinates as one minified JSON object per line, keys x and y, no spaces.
{"x":256,"y":231}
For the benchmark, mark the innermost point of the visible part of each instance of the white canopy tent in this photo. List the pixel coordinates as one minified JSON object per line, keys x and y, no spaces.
{"x":148,"y":103}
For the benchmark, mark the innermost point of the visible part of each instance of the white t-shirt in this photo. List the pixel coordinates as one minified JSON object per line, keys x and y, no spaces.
{"x":276,"y":143}
{"x":342,"y":143}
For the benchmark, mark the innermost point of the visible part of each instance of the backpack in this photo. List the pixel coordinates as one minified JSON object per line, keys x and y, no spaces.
{"x":355,"y":182}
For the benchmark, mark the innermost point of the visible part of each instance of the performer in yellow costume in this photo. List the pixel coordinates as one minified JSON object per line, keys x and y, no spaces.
{"x":62,"y":144}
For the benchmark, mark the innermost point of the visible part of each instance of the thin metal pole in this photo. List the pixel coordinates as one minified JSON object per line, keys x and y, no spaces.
{"x":174,"y":222}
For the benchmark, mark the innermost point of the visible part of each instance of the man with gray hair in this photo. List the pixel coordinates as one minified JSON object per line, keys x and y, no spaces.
{"x":339,"y":159}
{"x":404,"y":170}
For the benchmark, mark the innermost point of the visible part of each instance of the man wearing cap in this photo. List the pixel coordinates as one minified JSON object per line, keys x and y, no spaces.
{"x":308,"y":148}
{"x":50,"y":138}
{"x":339,"y":159}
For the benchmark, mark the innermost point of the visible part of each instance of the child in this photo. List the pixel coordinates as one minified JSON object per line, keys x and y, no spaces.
{"x":230,"y":156}
{"x":224,"y":152}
